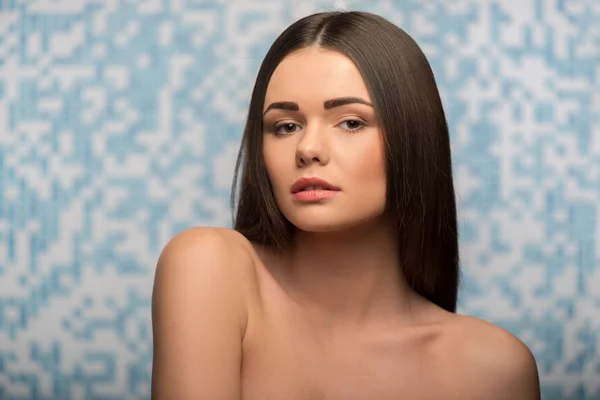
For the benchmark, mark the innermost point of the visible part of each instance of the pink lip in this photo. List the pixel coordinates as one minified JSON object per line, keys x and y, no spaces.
{"x":315,"y":195}
{"x":327,"y":192}
{"x":306,"y":182}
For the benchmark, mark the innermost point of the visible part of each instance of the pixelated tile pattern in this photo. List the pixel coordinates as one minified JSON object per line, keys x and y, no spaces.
{"x":119,"y":127}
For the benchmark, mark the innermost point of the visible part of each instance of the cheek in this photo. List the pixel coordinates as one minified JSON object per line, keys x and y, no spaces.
{"x":275,"y":160}
{"x":370,"y":166}
{"x":269,"y":164}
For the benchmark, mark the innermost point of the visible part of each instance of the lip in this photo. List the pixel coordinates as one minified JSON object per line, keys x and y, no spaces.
{"x":306,"y":182}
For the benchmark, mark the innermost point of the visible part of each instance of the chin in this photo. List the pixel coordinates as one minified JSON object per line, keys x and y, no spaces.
{"x":320,"y":227}
{"x":331,"y":223}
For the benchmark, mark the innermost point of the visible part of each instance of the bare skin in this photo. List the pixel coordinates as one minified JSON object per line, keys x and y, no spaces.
{"x":226,"y":328}
{"x":331,"y":317}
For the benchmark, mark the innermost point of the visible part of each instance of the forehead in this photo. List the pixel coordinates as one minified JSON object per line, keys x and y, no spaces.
{"x":314,"y":75}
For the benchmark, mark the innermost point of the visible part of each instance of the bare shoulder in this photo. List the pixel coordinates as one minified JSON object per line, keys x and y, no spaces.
{"x":219,"y":256}
{"x":203,"y":290}
{"x":208,"y":238}
{"x":493,"y":363}
{"x":201,"y":245}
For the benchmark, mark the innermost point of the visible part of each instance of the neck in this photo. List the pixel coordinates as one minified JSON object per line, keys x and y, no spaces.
{"x":348,"y":277}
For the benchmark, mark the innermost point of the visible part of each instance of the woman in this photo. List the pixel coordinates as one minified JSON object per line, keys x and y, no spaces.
{"x":341,"y":276}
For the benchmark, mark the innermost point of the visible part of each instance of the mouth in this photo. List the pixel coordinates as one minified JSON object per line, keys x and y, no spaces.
{"x":313,"y":188}
{"x":310,"y":184}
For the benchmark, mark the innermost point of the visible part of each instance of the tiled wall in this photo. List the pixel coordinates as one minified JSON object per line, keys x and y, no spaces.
{"x":119,"y":125}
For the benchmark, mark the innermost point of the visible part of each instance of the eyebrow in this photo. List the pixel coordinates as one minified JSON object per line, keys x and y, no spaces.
{"x":327,"y":105}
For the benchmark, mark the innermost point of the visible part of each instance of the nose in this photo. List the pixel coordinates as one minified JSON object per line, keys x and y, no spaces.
{"x":312,"y":148}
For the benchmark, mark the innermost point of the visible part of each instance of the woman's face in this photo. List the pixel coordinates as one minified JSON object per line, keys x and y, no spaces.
{"x":319,"y":123}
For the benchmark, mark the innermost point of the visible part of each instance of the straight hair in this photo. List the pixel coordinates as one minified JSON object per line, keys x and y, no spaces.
{"x":420,"y":198}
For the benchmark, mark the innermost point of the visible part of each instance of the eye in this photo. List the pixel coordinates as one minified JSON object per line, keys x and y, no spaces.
{"x":352,"y":125}
{"x":286,"y":128}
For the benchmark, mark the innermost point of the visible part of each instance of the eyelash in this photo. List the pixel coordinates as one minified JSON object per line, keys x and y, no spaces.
{"x":362,"y":125}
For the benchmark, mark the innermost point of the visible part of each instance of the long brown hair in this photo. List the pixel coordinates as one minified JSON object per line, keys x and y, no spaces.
{"x":420,"y":195}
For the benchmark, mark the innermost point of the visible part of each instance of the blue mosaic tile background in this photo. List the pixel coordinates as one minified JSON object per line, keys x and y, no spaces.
{"x":119,"y":125}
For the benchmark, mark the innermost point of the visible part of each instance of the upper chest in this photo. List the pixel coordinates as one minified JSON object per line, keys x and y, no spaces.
{"x":286,"y":355}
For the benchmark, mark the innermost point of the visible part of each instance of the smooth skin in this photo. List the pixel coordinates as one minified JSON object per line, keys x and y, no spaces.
{"x":332,"y":317}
